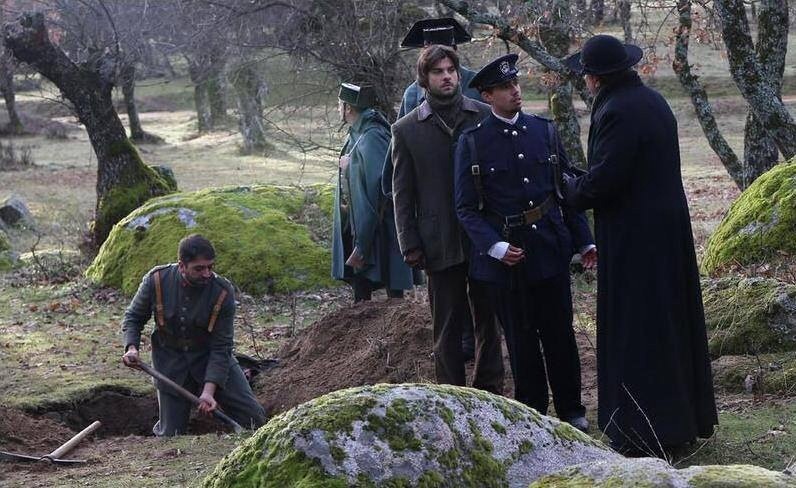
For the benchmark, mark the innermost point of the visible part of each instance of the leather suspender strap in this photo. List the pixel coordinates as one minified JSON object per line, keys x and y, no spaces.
{"x":159,"y":320}
{"x":216,"y":310}
{"x":475,"y":170}
{"x":552,"y":140}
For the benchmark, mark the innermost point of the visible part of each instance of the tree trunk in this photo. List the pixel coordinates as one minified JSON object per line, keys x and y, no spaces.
{"x":555,"y":36}
{"x":127,"y":76}
{"x":623,"y":6}
{"x":750,"y":77}
{"x":699,"y":98}
{"x":204,"y":122}
{"x":760,"y":150}
{"x":597,"y":8}
{"x":249,"y":92}
{"x":9,"y":94}
{"x":216,"y":91}
{"x":124,"y":182}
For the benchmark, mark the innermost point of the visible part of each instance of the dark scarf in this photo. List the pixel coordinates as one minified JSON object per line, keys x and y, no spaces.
{"x":629,"y":78}
{"x":448,"y":109}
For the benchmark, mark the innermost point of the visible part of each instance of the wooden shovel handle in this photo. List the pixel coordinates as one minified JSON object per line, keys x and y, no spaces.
{"x":71,"y":443}
{"x":187,"y":394}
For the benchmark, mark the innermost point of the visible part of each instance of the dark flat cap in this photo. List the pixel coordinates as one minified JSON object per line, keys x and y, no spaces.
{"x":496,"y":72}
{"x":357,"y":96}
{"x":445,"y":31}
{"x":602,"y":55}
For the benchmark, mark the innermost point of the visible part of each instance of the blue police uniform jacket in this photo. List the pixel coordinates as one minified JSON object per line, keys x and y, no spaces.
{"x":516,"y":175}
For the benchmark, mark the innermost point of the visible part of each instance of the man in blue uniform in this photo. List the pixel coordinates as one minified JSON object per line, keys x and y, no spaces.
{"x":523,"y":239}
{"x":364,"y":242}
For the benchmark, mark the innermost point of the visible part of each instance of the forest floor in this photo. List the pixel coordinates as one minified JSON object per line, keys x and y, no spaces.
{"x":59,"y":334}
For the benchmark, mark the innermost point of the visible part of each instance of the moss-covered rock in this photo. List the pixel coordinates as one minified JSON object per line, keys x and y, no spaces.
{"x":766,"y":373}
{"x":262,"y":235}
{"x":406,"y":435}
{"x":7,"y":255}
{"x":656,"y":473}
{"x":168,"y":176}
{"x":761,"y":223}
{"x":749,"y":315}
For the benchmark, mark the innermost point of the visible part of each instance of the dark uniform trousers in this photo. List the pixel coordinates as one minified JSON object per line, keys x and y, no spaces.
{"x":236,"y":399}
{"x":530,"y":312}
{"x":458,"y":302}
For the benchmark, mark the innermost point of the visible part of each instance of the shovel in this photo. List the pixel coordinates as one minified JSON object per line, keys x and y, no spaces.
{"x":55,"y":456}
{"x":188,"y":395}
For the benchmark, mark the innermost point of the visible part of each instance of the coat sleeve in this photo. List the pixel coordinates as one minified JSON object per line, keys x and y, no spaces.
{"x":386,"y":173}
{"x":613,"y":154}
{"x":138,"y":314}
{"x":404,"y":189}
{"x":483,"y":235}
{"x":576,"y":221}
{"x":221,"y":342}
{"x":366,"y":191}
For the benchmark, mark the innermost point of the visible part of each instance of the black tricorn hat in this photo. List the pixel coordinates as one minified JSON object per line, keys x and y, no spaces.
{"x":496,"y":72}
{"x":602,"y":55}
{"x":445,"y":31}
{"x":357,"y":96}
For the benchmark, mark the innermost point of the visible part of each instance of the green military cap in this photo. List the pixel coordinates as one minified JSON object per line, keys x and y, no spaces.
{"x":357,"y":96}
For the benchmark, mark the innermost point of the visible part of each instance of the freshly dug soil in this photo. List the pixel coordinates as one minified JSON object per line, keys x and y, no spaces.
{"x":21,"y":433}
{"x":373,"y":342}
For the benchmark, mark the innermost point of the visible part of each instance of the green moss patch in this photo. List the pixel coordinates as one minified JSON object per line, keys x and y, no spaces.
{"x":749,"y":315}
{"x":262,"y":242}
{"x":760,"y":225}
{"x":765,"y":373}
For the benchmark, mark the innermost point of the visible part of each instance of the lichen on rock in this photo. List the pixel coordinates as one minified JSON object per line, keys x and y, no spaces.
{"x":760,"y":225}
{"x":262,"y":241}
{"x":657,"y":473}
{"x":405,"y":435}
{"x":749,"y":315}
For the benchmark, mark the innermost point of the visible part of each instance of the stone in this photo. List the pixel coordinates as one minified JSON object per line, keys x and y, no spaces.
{"x":167,"y":174}
{"x":761,"y":224}
{"x":266,"y":237}
{"x":14,"y":211}
{"x":749,"y":315}
{"x":657,"y":473}
{"x":406,"y":435}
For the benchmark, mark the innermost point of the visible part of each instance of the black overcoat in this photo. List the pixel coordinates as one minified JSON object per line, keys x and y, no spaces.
{"x":651,"y":344}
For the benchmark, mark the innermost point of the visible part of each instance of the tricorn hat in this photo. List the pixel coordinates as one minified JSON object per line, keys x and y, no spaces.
{"x":496,"y":72}
{"x":357,"y":96}
{"x":445,"y":31}
{"x":602,"y":55}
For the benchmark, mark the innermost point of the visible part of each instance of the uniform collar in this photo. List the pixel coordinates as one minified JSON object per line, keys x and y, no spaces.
{"x":424,"y":110}
{"x":511,"y":121}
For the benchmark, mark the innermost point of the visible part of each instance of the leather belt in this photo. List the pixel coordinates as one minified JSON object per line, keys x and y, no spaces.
{"x":531,"y":215}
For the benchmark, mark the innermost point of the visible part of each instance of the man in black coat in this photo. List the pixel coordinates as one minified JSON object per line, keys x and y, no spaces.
{"x":654,"y":378}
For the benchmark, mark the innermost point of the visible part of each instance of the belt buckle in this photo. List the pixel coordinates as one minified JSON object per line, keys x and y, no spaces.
{"x":515,"y":220}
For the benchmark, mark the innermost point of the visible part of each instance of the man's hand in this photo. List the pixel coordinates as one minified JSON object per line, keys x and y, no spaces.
{"x":206,"y":401}
{"x":589,"y":259}
{"x":130,"y":358}
{"x":513,"y":255}
{"x":415,"y":258}
{"x":355,"y":260}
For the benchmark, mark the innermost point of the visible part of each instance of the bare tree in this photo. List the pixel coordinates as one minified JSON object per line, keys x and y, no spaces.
{"x":7,"y":69}
{"x":124,"y":182}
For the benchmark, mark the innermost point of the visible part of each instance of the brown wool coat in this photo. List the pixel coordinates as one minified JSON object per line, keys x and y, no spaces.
{"x":425,"y":214}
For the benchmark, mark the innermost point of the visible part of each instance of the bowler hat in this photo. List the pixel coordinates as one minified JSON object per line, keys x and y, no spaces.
{"x":445,"y":31}
{"x":496,"y":72}
{"x":602,"y":55}
{"x":357,"y":96}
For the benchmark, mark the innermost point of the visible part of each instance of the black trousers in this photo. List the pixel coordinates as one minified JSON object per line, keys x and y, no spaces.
{"x":458,"y":302}
{"x":530,"y":312}
{"x":363,"y":289}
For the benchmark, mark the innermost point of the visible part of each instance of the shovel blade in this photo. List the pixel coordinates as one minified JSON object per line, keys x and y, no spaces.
{"x":11,"y":456}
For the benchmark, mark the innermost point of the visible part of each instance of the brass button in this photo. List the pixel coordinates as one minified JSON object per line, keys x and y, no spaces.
{"x":521,"y":156}
{"x":514,"y":132}
{"x":524,"y":127}
{"x":533,"y":226}
{"x":526,"y":180}
{"x":505,"y":131}
{"x":530,"y":203}
{"x":492,"y":169}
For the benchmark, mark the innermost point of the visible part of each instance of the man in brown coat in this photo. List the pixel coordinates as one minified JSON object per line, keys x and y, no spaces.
{"x":429,"y":233}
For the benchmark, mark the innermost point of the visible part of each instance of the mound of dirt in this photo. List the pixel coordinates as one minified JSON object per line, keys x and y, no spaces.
{"x":368,"y":343}
{"x":24,"y":434}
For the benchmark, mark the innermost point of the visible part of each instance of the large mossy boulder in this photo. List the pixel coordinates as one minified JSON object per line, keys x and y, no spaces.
{"x":760,"y":225}
{"x":410,"y":435}
{"x":267,"y":238}
{"x":6,"y":257}
{"x":749,"y":315}
{"x":656,"y":473}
